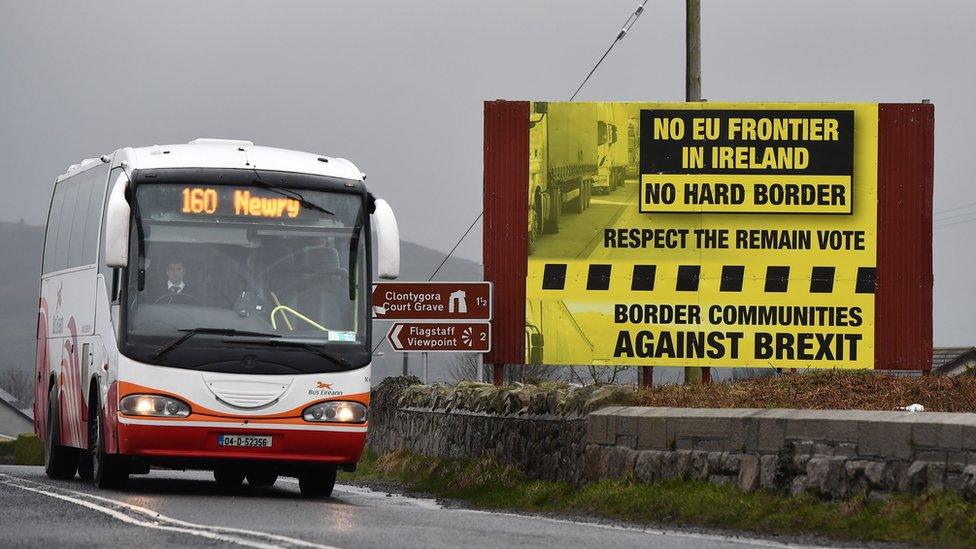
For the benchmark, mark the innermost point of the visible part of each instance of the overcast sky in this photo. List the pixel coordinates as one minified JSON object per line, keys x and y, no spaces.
{"x":397,"y":87}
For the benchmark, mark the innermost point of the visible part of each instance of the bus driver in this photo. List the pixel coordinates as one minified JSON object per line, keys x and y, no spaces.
{"x":176,"y":287}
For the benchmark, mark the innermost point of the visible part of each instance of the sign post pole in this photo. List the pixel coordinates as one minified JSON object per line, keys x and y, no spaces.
{"x":424,"y":355}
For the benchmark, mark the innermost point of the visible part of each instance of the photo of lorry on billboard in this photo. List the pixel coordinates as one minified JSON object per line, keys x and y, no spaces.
{"x":702,"y":234}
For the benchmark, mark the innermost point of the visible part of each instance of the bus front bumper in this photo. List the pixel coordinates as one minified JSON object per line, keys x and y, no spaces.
{"x":190,"y":439}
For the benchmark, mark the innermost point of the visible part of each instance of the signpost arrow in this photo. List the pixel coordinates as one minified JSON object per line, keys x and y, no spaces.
{"x":435,"y":337}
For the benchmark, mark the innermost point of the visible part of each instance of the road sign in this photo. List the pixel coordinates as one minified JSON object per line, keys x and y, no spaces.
{"x":432,"y":301}
{"x":433,"y":337}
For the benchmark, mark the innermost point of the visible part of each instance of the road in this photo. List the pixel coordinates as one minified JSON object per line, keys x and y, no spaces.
{"x":180,"y":509}
{"x":580,"y":233}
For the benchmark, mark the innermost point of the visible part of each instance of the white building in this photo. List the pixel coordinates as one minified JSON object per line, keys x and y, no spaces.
{"x":14,"y":420}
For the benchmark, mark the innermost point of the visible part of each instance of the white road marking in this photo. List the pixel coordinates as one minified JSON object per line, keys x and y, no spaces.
{"x":425,"y":503}
{"x":662,"y":532}
{"x":434,"y":505}
{"x":162,"y":522}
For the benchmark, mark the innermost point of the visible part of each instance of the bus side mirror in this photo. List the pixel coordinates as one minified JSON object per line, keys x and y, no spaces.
{"x":117,"y":225}
{"x":388,"y":240}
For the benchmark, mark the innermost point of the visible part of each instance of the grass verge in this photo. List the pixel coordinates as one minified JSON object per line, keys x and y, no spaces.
{"x":943,"y":520}
{"x":822,"y":390}
{"x":7,"y":450}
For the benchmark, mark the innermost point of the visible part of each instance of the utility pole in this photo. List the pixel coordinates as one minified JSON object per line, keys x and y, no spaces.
{"x":693,"y":376}
{"x":692,"y":50}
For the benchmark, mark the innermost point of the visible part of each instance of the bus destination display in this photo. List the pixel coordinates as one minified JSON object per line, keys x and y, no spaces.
{"x":244,"y":202}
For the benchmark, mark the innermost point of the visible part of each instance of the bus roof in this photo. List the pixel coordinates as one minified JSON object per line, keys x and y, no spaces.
{"x":222,"y":153}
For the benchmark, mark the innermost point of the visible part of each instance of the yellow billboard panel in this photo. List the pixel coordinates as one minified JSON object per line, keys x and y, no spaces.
{"x":702,"y":234}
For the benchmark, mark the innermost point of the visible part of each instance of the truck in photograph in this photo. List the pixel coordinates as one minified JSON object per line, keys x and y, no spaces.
{"x":205,"y":306}
{"x":613,"y":155}
{"x":546,"y":341}
{"x":633,"y":147}
{"x":562,"y":164}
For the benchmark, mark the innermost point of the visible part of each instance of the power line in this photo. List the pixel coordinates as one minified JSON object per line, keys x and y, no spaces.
{"x":961,"y":221}
{"x":628,"y":24}
{"x":624,"y":29}
{"x":967,"y":205}
{"x":971,"y":216}
{"x":953,"y":216}
{"x":448,"y":256}
{"x":938,"y":218}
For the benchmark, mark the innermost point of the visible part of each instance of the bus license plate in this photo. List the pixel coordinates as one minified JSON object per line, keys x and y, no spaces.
{"x":249,"y":441}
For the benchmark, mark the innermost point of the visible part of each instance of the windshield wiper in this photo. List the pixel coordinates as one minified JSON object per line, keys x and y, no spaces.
{"x":140,"y":247}
{"x":172,"y":344}
{"x":290,"y":193}
{"x":354,"y":254}
{"x":298,"y":344}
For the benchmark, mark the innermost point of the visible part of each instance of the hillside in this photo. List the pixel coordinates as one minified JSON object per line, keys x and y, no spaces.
{"x":20,"y":264}
{"x":20,"y":254}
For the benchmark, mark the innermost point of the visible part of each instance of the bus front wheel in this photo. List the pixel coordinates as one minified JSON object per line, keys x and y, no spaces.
{"x":317,"y":483}
{"x":60,"y":462}
{"x":107,"y":470}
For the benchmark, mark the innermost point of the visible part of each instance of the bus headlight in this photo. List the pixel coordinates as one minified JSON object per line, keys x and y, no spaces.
{"x":153,"y":405}
{"x":340,"y":411}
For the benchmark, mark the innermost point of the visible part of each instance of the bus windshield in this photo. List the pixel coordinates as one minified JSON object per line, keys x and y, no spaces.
{"x":262,"y":274}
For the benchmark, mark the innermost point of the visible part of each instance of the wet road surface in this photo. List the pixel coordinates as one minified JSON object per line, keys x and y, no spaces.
{"x":180,"y":509}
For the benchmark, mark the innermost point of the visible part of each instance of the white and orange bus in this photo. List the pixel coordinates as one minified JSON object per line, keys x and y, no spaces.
{"x":205,"y":306}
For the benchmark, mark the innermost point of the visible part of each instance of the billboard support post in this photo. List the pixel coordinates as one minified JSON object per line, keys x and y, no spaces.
{"x":498,"y":374}
{"x":646,"y":374}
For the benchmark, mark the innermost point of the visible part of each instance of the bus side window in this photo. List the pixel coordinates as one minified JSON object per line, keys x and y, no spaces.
{"x":93,"y":217}
{"x":76,"y":248}
{"x":67,"y":217}
{"x":53,"y":226}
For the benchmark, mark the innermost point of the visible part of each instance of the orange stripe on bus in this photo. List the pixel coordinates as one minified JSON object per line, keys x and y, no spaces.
{"x":201,"y":413}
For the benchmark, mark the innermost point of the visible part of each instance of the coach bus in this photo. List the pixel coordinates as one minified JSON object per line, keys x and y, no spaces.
{"x":205,"y":306}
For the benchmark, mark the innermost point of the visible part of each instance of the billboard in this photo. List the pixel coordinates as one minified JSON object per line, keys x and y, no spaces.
{"x":702,"y":234}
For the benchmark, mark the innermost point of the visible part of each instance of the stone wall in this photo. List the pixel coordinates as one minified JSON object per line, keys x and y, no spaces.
{"x":833,"y":453}
{"x":558,"y":433}
{"x":540,"y":430}
{"x":549,"y":448}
